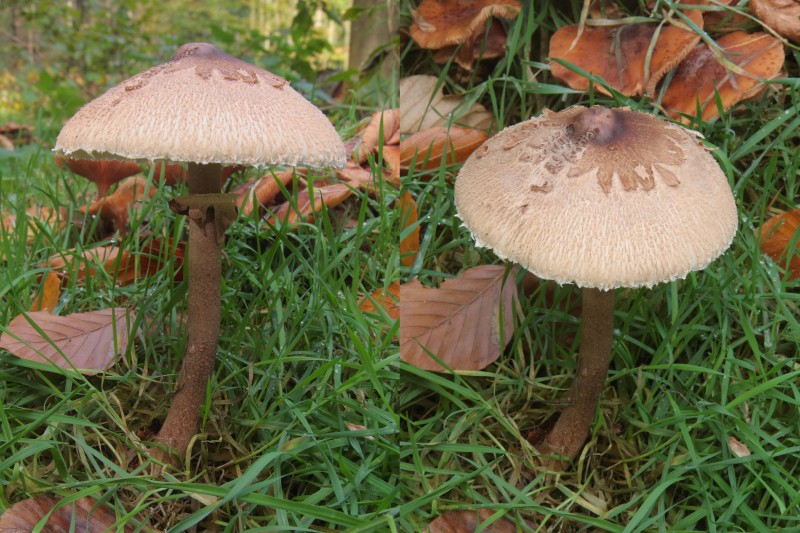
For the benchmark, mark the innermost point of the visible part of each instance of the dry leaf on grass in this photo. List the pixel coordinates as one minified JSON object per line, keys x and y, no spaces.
{"x":408,"y":216}
{"x":49,"y":293}
{"x":386,"y":299}
{"x":86,"y":340}
{"x":261,"y":193}
{"x":426,"y":148}
{"x":460,"y":322}
{"x":371,"y":134}
{"x":423,"y":106}
{"x":621,"y":54}
{"x":113,"y":209}
{"x":123,"y":266}
{"x":391,"y":156}
{"x":34,"y":217}
{"x":778,"y":235}
{"x":737,"y":448}
{"x":330,"y":195}
{"x":699,"y":78}
{"x":468,"y":521}
{"x":86,"y":515}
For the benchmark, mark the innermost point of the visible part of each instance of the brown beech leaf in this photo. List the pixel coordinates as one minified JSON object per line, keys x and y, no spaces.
{"x":460,"y":321}
{"x":85,"y":514}
{"x":391,"y":156}
{"x":480,"y":46}
{"x":49,"y":293}
{"x":783,"y":16}
{"x":408,"y":215}
{"x":86,"y":340}
{"x":737,"y":448}
{"x":370,"y":135}
{"x":387,"y":299}
{"x":777,"y":235}
{"x":417,"y":95}
{"x":113,"y":209}
{"x":440,"y":23}
{"x":35,"y":216}
{"x":432,"y":144}
{"x":330,"y":195}
{"x":5,"y":143}
{"x":356,"y":175}
{"x":124,"y":266}
{"x":699,"y":75}
{"x":468,"y":521}
{"x":261,"y":193}
{"x":618,"y":53}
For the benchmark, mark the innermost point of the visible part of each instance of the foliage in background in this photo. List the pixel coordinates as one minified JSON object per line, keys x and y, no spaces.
{"x":58,"y":54}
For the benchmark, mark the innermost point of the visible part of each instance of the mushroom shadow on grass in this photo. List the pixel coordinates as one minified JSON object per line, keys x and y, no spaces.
{"x":603,"y":198}
{"x":207,"y":109}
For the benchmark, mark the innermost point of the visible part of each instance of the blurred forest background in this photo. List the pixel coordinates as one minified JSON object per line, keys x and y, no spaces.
{"x":57,"y":54}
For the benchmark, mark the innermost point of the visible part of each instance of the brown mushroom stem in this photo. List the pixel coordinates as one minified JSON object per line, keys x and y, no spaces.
{"x":204,"y":273}
{"x":567,"y":437}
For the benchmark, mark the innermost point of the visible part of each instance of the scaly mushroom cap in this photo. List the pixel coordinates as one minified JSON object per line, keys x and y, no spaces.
{"x":203,"y":106}
{"x":603,"y":198}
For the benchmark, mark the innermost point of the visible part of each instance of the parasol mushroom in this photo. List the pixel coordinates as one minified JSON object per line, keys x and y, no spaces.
{"x":207,"y":109}
{"x":602,"y":198}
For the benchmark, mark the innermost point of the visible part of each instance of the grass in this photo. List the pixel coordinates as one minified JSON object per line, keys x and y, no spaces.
{"x":300,"y":368}
{"x":695,"y":362}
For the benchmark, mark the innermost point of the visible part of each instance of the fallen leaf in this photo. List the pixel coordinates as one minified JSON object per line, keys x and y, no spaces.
{"x":261,"y":193}
{"x":330,"y":195}
{"x":426,"y":148}
{"x":55,"y":219}
{"x":391,"y":156}
{"x":417,"y":94}
{"x":357,"y":427}
{"x":737,"y":448}
{"x":700,"y":77}
{"x":356,"y":175}
{"x":408,"y":216}
{"x":778,"y":235}
{"x":85,"y":341}
{"x":783,"y":16}
{"x":480,"y":46}
{"x":86,"y":515}
{"x":5,"y":143}
{"x":386,"y":299}
{"x":113,"y":209}
{"x":460,"y":322}
{"x":440,"y":23}
{"x":389,"y":120}
{"x":49,"y":293}
{"x":468,"y":521}
{"x":619,"y":53}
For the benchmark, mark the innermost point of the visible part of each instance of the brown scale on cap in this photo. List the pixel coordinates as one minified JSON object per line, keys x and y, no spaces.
{"x":633,"y":146}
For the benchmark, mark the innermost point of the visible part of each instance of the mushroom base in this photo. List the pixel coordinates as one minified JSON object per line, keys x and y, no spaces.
{"x":567,"y":437}
{"x":204,"y":274}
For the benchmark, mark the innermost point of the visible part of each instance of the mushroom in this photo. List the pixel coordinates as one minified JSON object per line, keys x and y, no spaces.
{"x":207,"y":109}
{"x":602,"y":198}
{"x":104,"y":172}
{"x":781,"y":15}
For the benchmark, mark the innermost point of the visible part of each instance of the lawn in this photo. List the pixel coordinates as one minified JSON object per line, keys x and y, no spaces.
{"x":696,"y":363}
{"x":298,"y":426}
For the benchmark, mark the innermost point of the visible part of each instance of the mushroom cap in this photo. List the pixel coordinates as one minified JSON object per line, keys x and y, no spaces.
{"x":602,"y":198}
{"x":203,"y":106}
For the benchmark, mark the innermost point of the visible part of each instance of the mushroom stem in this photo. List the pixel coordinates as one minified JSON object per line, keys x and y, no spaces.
{"x":204,"y":273}
{"x":567,"y":437}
